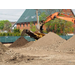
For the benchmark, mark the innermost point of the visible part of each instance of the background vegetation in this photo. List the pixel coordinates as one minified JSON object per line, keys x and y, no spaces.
{"x":58,"y":26}
{"x":5,"y":25}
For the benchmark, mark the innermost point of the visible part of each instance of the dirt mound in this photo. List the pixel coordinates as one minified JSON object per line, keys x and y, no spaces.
{"x":50,"y":40}
{"x":19,"y":42}
{"x":17,"y":58}
{"x":68,"y":46}
{"x":2,"y":48}
{"x":28,"y":44}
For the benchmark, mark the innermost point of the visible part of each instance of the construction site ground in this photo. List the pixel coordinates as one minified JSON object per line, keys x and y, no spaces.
{"x":40,"y":53}
{"x":33,"y":57}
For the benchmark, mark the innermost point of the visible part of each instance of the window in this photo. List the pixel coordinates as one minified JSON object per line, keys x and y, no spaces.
{"x":68,"y":14}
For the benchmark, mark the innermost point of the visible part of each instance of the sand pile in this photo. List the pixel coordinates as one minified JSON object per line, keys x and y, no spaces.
{"x":28,"y":44}
{"x":17,"y":58}
{"x":19,"y":42}
{"x":50,"y":40}
{"x":68,"y":46}
{"x":2,"y":48}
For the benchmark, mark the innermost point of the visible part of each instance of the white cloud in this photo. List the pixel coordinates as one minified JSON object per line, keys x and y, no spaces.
{"x":11,"y":14}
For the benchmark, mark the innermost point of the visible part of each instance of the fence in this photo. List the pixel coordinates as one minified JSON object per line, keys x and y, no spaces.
{"x":8,"y":39}
{"x":66,"y":37}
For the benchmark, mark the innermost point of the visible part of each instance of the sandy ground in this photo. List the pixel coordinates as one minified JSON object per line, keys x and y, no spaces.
{"x":23,"y":56}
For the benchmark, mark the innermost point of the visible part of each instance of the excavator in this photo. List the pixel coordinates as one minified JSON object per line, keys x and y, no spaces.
{"x":37,"y":35}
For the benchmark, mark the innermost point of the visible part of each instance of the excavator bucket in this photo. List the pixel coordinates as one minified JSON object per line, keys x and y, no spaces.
{"x":32,"y":34}
{"x":23,"y":32}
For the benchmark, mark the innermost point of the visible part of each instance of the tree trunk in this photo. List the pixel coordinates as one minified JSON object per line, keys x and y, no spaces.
{"x":37,"y":15}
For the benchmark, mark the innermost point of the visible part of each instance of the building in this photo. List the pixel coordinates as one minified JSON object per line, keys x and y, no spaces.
{"x":29,"y":15}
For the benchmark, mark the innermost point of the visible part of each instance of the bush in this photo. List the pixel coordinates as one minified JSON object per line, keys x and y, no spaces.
{"x":4,"y":34}
{"x":16,"y":34}
{"x":10,"y":34}
{"x":44,"y":31}
{"x":0,"y":34}
{"x":16,"y":30}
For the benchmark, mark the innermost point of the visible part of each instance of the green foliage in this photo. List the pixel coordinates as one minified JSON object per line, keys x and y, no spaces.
{"x":1,"y":25}
{"x":31,"y":23}
{"x":33,"y":28}
{"x":5,"y":25}
{"x":44,"y":31}
{"x":1,"y":34}
{"x":61,"y":15}
{"x":43,"y":16}
{"x":16,"y":30}
{"x":10,"y":34}
{"x":57,"y":25}
{"x":16,"y":34}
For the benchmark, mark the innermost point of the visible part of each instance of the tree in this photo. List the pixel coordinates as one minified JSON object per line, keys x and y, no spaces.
{"x":5,"y":25}
{"x":42,"y":16}
{"x":1,"y":25}
{"x":37,"y":15}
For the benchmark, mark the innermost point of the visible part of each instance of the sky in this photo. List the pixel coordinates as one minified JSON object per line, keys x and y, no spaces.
{"x":13,"y":14}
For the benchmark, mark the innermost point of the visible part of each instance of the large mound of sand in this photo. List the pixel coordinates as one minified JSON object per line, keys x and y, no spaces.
{"x":50,"y":40}
{"x":28,"y":44}
{"x":19,"y":42}
{"x":68,"y":46}
{"x":2,"y":48}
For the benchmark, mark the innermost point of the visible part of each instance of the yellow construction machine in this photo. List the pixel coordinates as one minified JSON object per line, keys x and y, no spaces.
{"x":34,"y":35}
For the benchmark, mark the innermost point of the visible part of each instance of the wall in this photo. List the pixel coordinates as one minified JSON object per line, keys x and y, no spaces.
{"x":26,"y":26}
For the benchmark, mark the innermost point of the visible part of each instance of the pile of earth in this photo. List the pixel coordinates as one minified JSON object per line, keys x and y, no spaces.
{"x":49,"y":41}
{"x":19,"y":42}
{"x":3,"y":55}
{"x":68,"y":46}
{"x":28,"y":44}
{"x":2,"y":48}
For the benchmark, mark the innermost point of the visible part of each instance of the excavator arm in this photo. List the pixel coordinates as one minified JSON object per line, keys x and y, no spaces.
{"x":56,"y":15}
{"x":51,"y":17}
